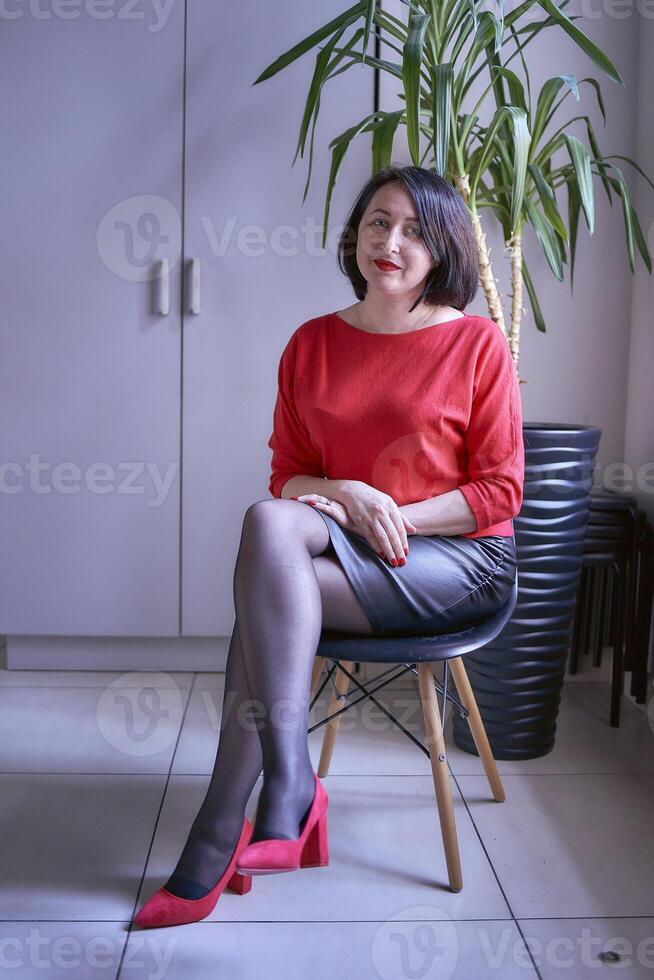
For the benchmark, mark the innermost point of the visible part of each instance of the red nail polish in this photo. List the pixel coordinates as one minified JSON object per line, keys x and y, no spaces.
{"x":293,"y":498}
{"x":402,"y":561}
{"x":406,"y":551}
{"x":394,"y":562}
{"x":312,"y":502}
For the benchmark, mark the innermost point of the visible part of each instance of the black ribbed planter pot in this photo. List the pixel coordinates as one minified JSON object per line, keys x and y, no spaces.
{"x":517,"y":678}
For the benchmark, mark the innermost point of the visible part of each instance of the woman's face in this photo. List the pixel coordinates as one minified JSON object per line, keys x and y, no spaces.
{"x":389,"y":229}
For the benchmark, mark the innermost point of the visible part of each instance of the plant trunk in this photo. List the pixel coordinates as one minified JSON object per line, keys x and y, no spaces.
{"x":515,"y":244}
{"x":486,"y":278}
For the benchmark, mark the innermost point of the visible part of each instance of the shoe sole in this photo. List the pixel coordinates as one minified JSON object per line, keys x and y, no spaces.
{"x":273,"y":871}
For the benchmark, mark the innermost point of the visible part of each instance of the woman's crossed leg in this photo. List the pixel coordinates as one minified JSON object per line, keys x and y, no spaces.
{"x":287,"y":586}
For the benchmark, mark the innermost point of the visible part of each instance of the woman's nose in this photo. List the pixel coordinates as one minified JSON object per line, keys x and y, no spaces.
{"x":393,"y":238}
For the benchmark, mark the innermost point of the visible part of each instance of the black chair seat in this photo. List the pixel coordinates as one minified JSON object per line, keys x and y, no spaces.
{"x":337,"y":645}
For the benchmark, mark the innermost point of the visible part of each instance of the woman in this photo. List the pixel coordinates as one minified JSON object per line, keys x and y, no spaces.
{"x":398,"y":420}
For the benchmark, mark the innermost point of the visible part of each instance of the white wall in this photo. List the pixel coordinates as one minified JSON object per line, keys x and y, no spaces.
{"x":639,"y":423}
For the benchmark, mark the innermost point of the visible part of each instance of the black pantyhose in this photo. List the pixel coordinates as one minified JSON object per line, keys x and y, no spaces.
{"x":279,"y":616}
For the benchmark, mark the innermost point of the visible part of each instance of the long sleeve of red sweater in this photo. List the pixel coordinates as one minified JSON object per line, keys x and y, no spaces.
{"x":413,"y":414}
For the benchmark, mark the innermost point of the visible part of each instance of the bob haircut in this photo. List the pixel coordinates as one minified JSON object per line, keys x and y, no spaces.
{"x":446,"y":232}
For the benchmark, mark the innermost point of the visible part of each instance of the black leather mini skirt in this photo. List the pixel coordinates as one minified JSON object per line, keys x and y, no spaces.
{"x":449,"y":582}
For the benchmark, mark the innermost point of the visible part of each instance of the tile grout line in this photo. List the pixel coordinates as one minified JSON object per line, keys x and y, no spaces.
{"x":492,"y":867}
{"x":154,"y":829}
{"x":336,"y":775}
{"x":477,"y":918}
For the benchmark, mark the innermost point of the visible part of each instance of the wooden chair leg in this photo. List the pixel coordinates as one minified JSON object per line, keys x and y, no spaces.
{"x":342,"y":684}
{"x":318,"y":664}
{"x":477,"y":729}
{"x":440,"y":772}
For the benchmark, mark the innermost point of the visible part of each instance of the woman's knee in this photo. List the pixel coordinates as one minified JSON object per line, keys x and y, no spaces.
{"x":265,"y":510}
{"x":269,"y":514}
{"x":289,"y":520}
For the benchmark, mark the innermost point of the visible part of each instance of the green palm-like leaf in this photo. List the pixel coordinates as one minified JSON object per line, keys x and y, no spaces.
{"x":548,"y":201}
{"x":549,"y":241}
{"x":574,"y":207}
{"x":640,"y":240}
{"x":345,"y":19}
{"x":386,"y":66}
{"x":339,"y":147}
{"x":517,"y":120}
{"x":546,"y":97}
{"x":598,"y":93}
{"x":533,"y":298}
{"x":517,"y":95}
{"x":320,"y":76}
{"x":473,"y":12}
{"x":382,"y":140}
{"x":411,"y":65}
{"x":620,"y":186}
{"x":370,"y":16}
{"x":598,"y":161}
{"x":584,"y":42}
{"x":581,"y":162}
{"x":618,"y":156}
{"x":442,"y":79}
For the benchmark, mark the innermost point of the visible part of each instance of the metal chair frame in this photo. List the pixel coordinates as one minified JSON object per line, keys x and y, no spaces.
{"x":340,"y":676}
{"x":441,"y":687}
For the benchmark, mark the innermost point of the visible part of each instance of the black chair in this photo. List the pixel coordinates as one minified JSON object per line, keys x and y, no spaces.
{"x":616,"y":589}
{"x":417,"y":654}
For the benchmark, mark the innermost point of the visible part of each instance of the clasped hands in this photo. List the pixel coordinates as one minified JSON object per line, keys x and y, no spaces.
{"x":371,"y":514}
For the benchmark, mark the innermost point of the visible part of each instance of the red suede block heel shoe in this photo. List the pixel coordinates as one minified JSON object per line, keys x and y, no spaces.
{"x":315,"y":853}
{"x":309,"y":850}
{"x":166,"y":909}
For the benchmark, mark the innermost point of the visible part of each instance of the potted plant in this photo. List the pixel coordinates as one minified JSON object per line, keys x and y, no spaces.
{"x":503,"y":166}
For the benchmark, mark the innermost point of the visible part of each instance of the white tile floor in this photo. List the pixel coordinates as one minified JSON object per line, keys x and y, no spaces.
{"x":102,"y":773}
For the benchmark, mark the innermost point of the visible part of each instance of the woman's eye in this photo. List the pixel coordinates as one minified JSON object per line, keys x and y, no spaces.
{"x":414,"y":229}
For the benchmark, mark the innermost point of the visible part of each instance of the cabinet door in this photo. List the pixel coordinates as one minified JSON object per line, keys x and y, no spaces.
{"x":262,"y":270}
{"x":91,"y":157}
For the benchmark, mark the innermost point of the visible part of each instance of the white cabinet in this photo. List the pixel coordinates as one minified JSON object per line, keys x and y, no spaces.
{"x":92,"y":147}
{"x":125,"y":145}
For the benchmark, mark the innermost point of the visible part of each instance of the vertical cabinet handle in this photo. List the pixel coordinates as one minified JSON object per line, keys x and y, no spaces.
{"x":195,"y":285}
{"x":163,"y":288}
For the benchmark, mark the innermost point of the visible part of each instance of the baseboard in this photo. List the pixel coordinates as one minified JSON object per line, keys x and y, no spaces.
{"x":186,"y":653}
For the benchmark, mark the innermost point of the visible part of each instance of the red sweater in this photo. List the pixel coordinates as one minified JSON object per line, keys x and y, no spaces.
{"x":413,"y":414}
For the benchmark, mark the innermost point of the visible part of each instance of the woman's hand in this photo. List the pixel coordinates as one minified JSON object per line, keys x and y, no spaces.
{"x":372,"y":514}
{"x":328,"y":506}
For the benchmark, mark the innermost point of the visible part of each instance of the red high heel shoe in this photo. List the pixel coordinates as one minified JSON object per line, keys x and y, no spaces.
{"x":166,"y":909}
{"x":309,"y":850}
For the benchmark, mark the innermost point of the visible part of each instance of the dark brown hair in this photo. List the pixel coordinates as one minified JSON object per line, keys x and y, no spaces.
{"x":446,"y":232}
